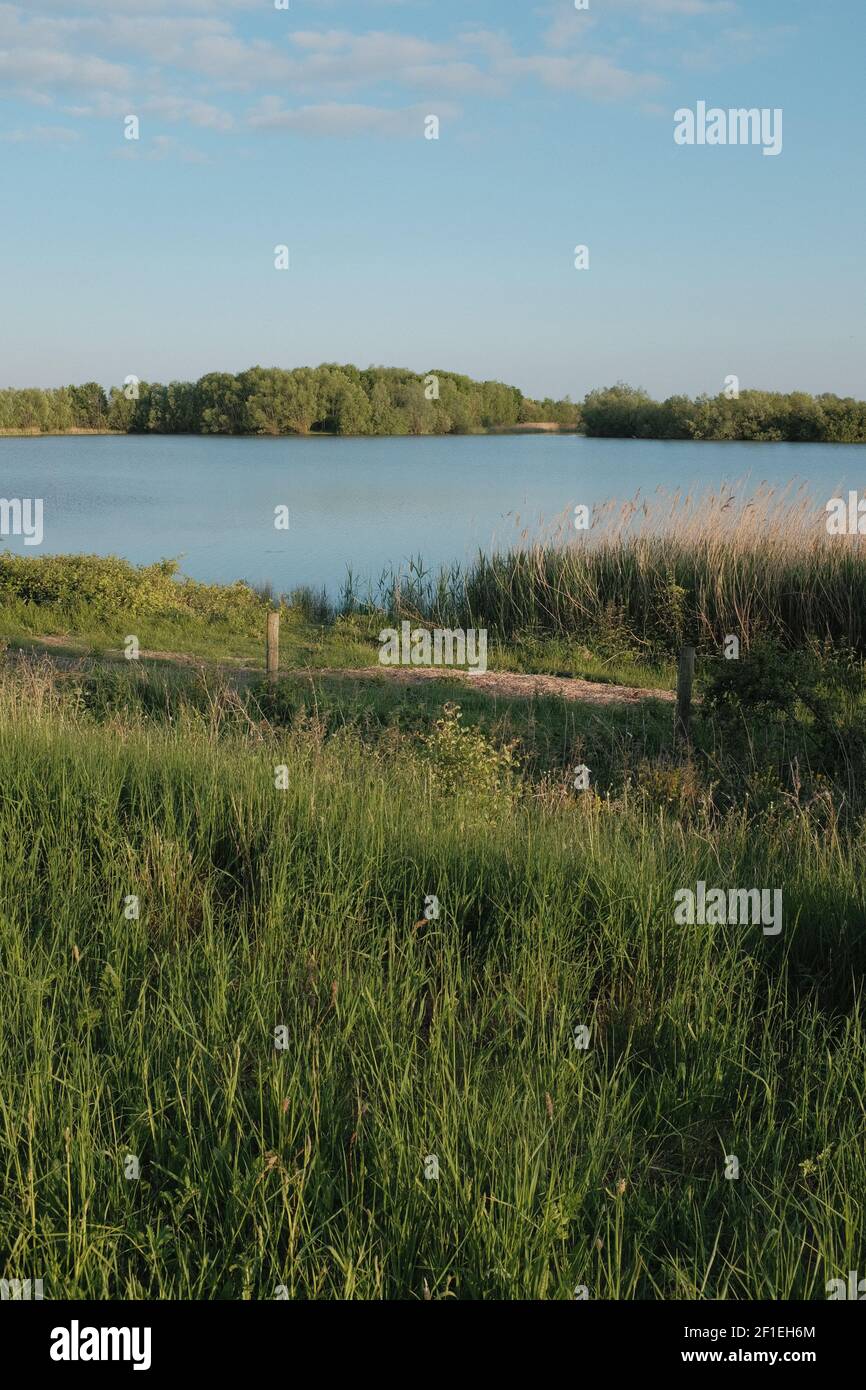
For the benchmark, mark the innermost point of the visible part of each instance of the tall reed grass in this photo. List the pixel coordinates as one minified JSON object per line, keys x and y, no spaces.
{"x":653,"y":572}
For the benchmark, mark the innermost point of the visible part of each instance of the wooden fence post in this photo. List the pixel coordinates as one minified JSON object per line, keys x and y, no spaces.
{"x":272,"y":650}
{"x":685,"y":676}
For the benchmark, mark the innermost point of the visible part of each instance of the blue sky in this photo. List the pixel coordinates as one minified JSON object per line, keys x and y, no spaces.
{"x":305,"y":127}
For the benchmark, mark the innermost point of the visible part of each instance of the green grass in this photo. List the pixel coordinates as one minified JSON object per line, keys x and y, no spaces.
{"x":90,"y":605}
{"x":559,"y":655}
{"x":258,"y":908}
{"x":345,"y":642}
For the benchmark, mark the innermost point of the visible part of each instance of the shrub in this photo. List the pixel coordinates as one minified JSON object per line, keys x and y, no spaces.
{"x":108,"y":586}
{"x":465,"y":760}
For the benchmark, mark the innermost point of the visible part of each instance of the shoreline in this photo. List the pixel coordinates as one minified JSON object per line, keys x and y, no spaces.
{"x":540,"y":427}
{"x":518,"y":430}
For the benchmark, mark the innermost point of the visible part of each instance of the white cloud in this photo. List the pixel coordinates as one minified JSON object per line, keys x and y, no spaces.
{"x":53,"y":134}
{"x":159,"y":148}
{"x":335,"y":119}
{"x":677,"y":7}
{"x":198,"y":113}
{"x":590,"y":76}
{"x":184,"y":61}
{"x":138,"y":7}
{"x":45,"y":66}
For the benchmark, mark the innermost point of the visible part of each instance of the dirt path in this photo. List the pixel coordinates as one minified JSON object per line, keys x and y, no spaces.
{"x":508,"y":684}
{"x":512,"y":684}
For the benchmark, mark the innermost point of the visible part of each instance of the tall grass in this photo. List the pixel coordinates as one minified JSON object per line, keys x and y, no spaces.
{"x":406,"y":1038}
{"x":653,"y":572}
{"x":649,"y":574}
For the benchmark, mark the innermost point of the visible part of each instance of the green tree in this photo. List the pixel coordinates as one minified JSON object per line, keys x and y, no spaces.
{"x":89,"y":405}
{"x":221,"y":404}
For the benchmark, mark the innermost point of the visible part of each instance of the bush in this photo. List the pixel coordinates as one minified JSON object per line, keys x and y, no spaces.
{"x":109,"y":587}
{"x":465,"y":760}
{"x":819,"y":689}
{"x":768,"y":680}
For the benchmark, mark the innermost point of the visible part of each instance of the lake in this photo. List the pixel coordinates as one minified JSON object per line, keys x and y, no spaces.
{"x":364,"y":503}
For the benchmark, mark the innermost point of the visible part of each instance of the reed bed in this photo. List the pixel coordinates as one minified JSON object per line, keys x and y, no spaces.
{"x":656,"y":571}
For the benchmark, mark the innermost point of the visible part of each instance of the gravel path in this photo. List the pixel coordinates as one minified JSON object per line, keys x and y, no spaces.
{"x":511,"y":684}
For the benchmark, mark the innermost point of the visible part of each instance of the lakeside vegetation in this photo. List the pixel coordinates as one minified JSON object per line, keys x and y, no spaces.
{"x":410,"y":1037}
{"x":623,"y":411}
{"x":647,"y":576}
{"x":655,"y":572}
{"x":270,"y":401}
{"x":380,"y":401}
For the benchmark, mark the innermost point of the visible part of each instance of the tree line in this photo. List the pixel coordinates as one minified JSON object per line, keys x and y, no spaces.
{"x":273,"y":401}
{"x":389,"y":401}
{"x":623,"y":411}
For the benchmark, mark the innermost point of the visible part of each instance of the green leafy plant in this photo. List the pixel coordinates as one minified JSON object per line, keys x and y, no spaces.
{"x":463,"y":759}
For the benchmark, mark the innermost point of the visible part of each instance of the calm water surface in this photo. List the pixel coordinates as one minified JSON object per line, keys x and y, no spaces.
{"x":364,"y":503}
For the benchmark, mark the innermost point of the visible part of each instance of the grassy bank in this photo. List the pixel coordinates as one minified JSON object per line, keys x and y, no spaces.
{"x":408,"y":1039}
{"x":221,"y":968}
{"x":87,"y":604}
{"x":614,"y":602}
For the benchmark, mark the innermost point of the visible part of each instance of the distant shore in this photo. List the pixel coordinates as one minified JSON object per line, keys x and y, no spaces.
{"x":389,"y":403}
{"x":535,"y":427}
